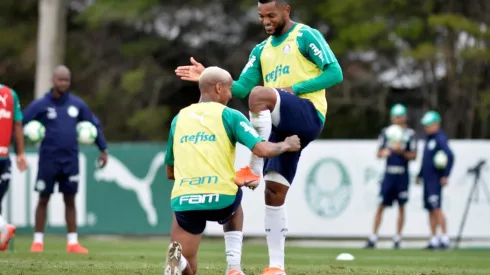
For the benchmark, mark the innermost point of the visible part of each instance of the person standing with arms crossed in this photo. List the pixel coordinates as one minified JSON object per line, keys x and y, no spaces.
{"x":296,"y":65}
{"x":435,"y":179}
{"x":60,"y":111}
{"x":200,"y":158}
{"x":10,"y":124}
{"x":396,"y":178}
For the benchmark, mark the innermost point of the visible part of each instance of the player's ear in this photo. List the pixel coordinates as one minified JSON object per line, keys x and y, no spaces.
{"x":287,"y":9}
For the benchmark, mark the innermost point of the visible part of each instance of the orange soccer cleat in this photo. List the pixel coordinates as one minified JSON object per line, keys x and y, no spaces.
{"x":76,"y":248}
{"x":37,"y":247}
{"x":246,"y":177}
{"x":235,"y":272}
{"x":10,"y":229}
{"x":273,"y":271}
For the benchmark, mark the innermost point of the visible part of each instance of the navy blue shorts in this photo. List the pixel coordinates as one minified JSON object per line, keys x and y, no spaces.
{"x":5,"y":175}
{"x":394,"y":187}
{"x":432,"y":194}
{"x":298,"y":117}
{"x":64,"y":173}
{"x":194,"y":222}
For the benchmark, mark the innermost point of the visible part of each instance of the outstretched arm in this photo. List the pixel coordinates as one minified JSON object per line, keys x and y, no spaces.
{"x":251,"y":75}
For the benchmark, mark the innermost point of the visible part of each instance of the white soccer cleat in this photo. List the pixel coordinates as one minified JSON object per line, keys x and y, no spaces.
{"x":174,"y":254}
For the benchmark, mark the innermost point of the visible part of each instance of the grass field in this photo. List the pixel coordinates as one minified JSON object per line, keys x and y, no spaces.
{"x":147,"y":256}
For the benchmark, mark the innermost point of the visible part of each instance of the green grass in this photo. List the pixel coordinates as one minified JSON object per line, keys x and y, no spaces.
{"x":146,"y":256}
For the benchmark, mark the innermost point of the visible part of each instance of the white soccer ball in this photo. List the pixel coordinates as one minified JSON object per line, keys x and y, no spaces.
{"x":394,"y":133}
{"x":34,"y":131}
{"x":440,"y":159}
{"x":87,"y":132}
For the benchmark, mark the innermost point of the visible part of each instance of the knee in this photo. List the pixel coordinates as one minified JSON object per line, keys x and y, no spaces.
{"x":262,"y":99}
{"x":43,"y":200}
{"x":274,"y":196}
{"x":69,"y":201}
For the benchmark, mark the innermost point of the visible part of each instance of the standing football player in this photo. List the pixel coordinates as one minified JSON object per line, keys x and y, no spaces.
{"x":435,"y":179}
{"x":396,"y":178}
{"x":60,"y":111}
{"x":296,"y":66}
{"x":10,"y":123}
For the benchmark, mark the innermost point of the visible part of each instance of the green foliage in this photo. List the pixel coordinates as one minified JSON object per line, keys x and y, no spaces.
{"x":151,"y":123}
{"x":132,"y":81}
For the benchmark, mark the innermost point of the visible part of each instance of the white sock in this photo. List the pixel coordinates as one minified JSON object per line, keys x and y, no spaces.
{"x":2,"y":222}
{"x":444,"y":239}
{"x":276,"y":228}
{"x":373,"y":238}
{"x":397,"y":238}
{"x":182,"y":263}
{"x":261,"y":122}
{"x":72,"y":238}
{"x":39,"y":237}
{"x":434,"y":241}
{"x":233,"y":249}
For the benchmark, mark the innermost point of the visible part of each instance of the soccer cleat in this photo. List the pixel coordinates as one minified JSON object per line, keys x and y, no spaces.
{"x":5,"y":237}
{"x":76,"y":248}
{"x":396,"y":244}
{"x":370,"y":245}
{"x":443,"y":246}
{"x":174,"y":255}
{"x":273,"y":271}
{"x":37,"y":247}
{"x":246,"y":177}
{"x":235,"y":272}
{"x":430,"y":247}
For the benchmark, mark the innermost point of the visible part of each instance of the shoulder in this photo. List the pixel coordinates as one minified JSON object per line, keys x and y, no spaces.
{"x":308,"y":33}
{"x":441,"y":136}
{"x":230,"y":114}
{"x":257,"y":50}
{"x":76,"y":99}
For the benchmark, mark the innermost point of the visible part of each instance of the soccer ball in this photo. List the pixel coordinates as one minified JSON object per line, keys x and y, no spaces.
{"x":394,"y":134}
{"x":87,"y":132}
{"x":34,"y":131}
{"x":440,"y":159}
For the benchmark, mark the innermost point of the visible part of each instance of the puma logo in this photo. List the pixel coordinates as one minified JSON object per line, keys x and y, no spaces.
{"x":3,"y":99}
{"x":117,"y":172}
{"x":198,"y":117}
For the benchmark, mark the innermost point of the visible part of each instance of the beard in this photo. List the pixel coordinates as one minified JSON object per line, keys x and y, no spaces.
{"x":280,"y":28}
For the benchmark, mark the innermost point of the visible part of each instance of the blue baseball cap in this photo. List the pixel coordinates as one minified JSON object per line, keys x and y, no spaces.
{"x":430,"y":117}
{"x":398,"y":110}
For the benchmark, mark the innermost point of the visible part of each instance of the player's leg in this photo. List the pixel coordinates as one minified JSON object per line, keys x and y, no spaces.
{"x":68,"y":185}
{"x":7,"y":231}
{"x":185,"y":237}
{"x":232,"y":220}
{"x":46,"y":177}
{"x":431,"y":204}
{"x":386,"y":200}
{"x":444,"y":240}
{"x":402,"y":199}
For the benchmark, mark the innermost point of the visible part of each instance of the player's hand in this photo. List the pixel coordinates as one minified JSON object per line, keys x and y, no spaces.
{"x":385,"y":153}
{"x":444,"y":181}
{"x":294,"y":143}
{"x":396,"y":147}
{"x":21,"y":162}
{"x":102,"y":159}
{"x":289,"y":90}
{"x":190,"y":72}
{"x":418,"y":180}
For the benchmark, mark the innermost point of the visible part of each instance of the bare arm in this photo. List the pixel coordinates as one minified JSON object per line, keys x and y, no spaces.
{"x":170,"y":172}
{"x":267,"y":149}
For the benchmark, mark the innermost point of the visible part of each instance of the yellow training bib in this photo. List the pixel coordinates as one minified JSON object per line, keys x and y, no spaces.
{"x":204,"y":155}
{"x":284,"y":65}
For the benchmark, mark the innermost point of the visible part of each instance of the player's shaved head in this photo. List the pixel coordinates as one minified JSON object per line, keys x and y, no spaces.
{"x":61,"y":79}
{"x":215,"y":84}
{"x":61,"y":70}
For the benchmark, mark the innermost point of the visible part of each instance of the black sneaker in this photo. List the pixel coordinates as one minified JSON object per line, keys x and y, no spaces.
{"x":431,"y":247}
{"x":370,"y":245}
{"x":396,"y":244}
{"x":443,"y":246}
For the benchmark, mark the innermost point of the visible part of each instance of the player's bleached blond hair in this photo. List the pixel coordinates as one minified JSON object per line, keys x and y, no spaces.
{"x":212,"y":75}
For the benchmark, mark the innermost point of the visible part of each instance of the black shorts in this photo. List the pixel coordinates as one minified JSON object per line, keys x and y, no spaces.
{"x":194,"y":221}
